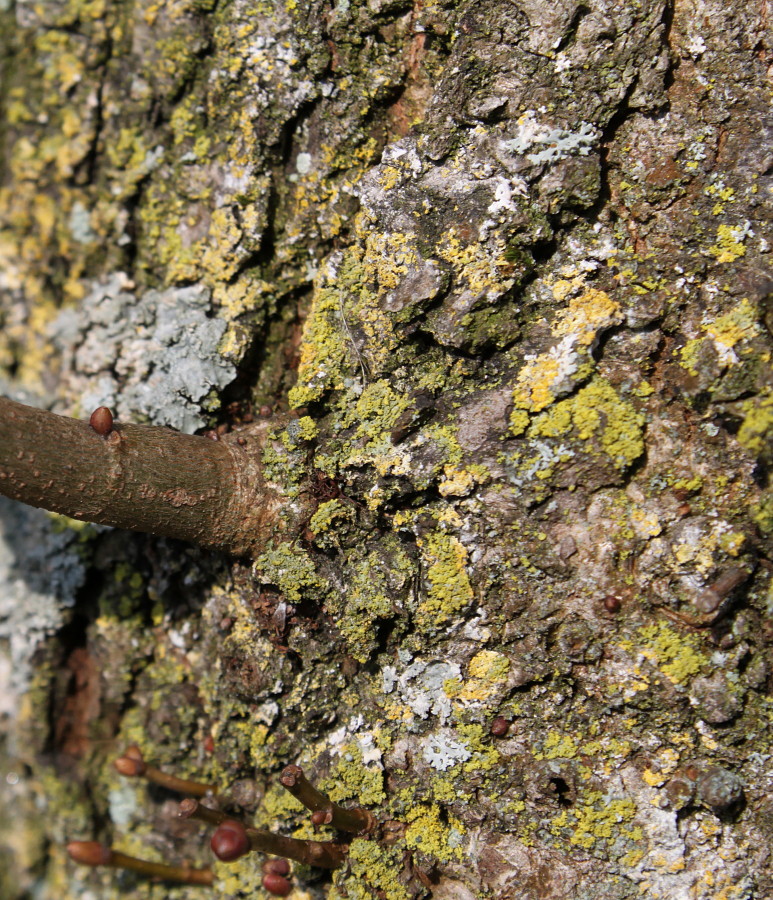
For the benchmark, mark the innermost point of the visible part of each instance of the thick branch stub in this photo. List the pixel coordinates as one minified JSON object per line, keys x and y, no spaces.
{"x":141,"y":478}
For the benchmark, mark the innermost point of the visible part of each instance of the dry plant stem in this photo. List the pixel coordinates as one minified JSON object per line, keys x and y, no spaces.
{"x":131,"y":764}
{"x":91,"y":853}
{"x":140,"y":477}
{"x":355,"y":821}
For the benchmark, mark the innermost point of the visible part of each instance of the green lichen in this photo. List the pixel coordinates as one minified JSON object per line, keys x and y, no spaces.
{"x":429,"y":835}
{"x":595,"y":413}
{"x":376,"y":582}
{"x":448,"y":586}
{"x":373,"y":872}
{"x":351,"y":779}
{"x":676,"y":655}
{"x":597,"y":819}
{"x":291,"y":569}
{"x":756,"y":431}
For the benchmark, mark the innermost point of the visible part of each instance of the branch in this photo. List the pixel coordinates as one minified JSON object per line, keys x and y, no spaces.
{"x":356,"y":821}
{"x":142,"y":478}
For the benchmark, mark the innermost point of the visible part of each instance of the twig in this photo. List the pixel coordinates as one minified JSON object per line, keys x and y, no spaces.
{"x":233,"y":840}
{"x":133,"y":765}
{"x":356,"y":821}
{"x":92,"y":853}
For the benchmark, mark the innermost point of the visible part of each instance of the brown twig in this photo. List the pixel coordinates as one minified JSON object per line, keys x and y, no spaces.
{"x":192,"y":809}
{"x":92,"y":853}
{"x":133,"y":765}
{"x":232,"y":840}
{"x":143,"y":478}
{"x":326,"y":812}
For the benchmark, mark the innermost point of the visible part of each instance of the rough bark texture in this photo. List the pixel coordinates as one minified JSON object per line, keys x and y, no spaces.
{"x":508,"y":262}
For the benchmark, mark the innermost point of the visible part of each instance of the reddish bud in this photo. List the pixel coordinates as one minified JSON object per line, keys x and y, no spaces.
{"x":276,"y":866}
{"x":101,"y":420}
{"x":277,"y":885}
{"x":89,"y":853}
{"x":499,"y":726}
{"x":321,"y":817}
{"x":612,"y":604}
{"x":209,"y":744}
{"x":129,"y":767}
{"x":230,"y":841}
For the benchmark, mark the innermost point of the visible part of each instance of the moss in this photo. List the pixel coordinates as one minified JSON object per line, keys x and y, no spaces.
{"x":449,"y":590}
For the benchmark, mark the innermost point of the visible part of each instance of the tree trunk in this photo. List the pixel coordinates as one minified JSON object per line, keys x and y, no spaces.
{"x":501,"y":273}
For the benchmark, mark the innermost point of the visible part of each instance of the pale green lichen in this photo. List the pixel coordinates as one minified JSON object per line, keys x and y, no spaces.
{"x":554,"y":372}
{"x":428,"y":834}
{"x":675,"y":655}
{"x":352,"y":779}
{"x":756,"y":431}
{"x":375,"y":583}
{"x":373,"y":871}
{"x":597,"y":818}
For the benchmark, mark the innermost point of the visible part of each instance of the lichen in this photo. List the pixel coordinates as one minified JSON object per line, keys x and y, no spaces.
{"x":292,"y":571}
{"x":448,"y":585}
{"x":596,"y":414}
{"x":675,"y":655}
{"x":429,"y":835}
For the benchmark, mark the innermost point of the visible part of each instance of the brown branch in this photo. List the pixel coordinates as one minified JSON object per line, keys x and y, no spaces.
{"x":92,"y":853}
{"x":192,"y":809}
{"x":356,"y":821}
{"x":142,"y":478}
{"x":232,"y":840}
{"x":133,"y":765}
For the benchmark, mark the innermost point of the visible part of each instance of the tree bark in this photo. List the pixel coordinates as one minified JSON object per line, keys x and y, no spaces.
{"x":508,"y":265}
